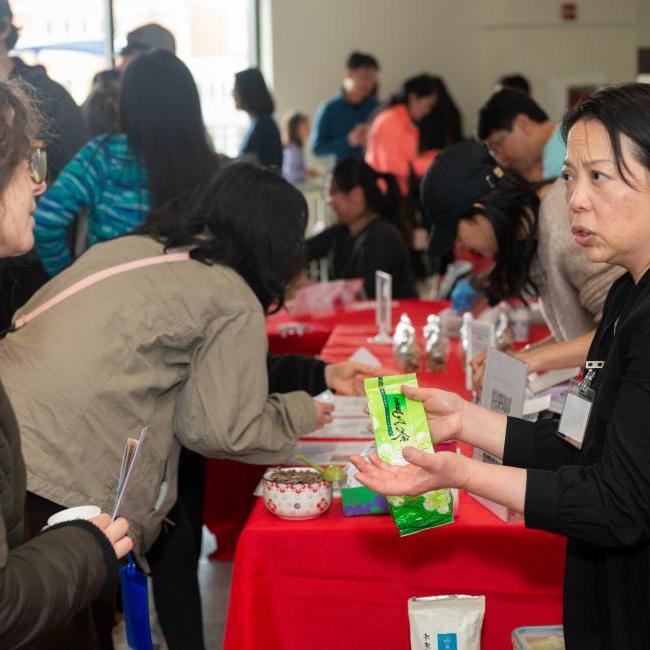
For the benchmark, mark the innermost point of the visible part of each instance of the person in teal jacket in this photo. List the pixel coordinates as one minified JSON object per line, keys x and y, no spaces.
{"x":160,"y":154}
{"x":341,"y":123}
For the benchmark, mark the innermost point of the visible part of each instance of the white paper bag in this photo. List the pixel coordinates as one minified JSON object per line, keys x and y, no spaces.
{"x":446,"y":622}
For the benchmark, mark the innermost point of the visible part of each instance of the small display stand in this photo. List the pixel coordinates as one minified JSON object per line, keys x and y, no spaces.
{"x":384,"y":298}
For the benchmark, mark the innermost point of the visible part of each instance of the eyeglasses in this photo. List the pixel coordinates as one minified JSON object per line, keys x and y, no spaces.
{"x":38,"y":162}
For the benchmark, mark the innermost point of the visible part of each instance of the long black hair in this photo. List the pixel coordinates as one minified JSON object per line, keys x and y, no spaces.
{"x":160,"y":113}
{"x":513,"y":211}
{"x":380,"y":189}
{"x":443,"y":125}
{"x":421,"y":85}
{"x":254,"y":96}
{"x":245,"y":217}
{"x":623,"y":110}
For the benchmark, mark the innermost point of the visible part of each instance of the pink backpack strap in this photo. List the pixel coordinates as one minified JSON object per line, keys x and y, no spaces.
{"x":94,"y":279}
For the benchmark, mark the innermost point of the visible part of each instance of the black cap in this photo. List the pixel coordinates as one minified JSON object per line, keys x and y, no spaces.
{"x":457,"y":179}
{"x":151,"y":36}
{"x":5,"y":10}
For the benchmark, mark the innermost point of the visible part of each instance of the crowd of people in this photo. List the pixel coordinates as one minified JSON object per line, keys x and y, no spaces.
{"x":161,"y":322}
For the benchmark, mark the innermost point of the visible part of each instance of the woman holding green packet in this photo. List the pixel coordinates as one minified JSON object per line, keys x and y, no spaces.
{"x":587,"y":478}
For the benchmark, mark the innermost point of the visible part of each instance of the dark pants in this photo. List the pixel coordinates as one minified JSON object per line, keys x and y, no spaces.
{"x":92,"y":627}
{"x":174,"y":560}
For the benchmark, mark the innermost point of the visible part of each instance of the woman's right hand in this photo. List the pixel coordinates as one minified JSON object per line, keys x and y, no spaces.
{"x":444,"y":411}
{"x":116,"y":532}
{"x":323,"y":413}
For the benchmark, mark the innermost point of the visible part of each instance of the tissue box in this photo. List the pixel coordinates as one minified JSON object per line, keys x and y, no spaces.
{"x":544,"y":637}
{"x":362,"y":501}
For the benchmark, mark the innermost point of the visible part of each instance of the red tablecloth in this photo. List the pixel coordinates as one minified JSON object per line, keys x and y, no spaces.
{"x":226,"y":509}
{"x":343,"y":582}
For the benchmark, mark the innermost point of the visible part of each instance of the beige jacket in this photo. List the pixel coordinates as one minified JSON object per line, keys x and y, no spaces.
{"x":572,"y":289}
{"x":180,"y":347}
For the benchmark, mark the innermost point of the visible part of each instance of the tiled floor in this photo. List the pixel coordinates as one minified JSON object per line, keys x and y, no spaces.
{"x":214,"y":578}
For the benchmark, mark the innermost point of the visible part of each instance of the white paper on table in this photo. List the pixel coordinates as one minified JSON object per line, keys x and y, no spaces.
{"x":343,"y":428}
{"x":350,"y":407}
{"x":329,"y":453}
{"x":537,"y":404}
{"x":538,"y":383}
{"x":504,"y":387}
{"x":344,"y":406}
{"x":363,"y":355}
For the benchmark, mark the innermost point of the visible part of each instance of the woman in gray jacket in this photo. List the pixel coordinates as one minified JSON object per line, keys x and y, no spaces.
{"x":51,"y":578}
{"x":179,"y":346}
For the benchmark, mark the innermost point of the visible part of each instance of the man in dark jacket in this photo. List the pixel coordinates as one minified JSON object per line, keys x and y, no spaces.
{"x":65,"y":134}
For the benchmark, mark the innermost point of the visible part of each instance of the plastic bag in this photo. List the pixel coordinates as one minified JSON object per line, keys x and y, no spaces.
{"x":405,"y":348}
{"x":135,"y":599}
{"x":397,"y":422}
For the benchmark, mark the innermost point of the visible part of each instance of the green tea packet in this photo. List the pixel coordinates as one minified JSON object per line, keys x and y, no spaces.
{"x":398,"y":422}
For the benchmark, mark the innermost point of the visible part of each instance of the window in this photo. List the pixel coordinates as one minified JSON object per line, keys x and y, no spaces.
{"x":215,"y":38}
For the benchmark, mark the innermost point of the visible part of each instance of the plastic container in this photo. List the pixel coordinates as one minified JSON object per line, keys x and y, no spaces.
{"x":543,"y":637}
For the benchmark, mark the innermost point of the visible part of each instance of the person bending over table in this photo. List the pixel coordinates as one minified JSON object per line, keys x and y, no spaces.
{"x":367,"y":237}
{"x":596,"y":492}
{"x":525,"y":228}
{"x":179,"y":346}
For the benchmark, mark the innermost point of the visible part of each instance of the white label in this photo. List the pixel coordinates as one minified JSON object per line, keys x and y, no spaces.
{"x":575,"y":417}
{"x":504,"y":387}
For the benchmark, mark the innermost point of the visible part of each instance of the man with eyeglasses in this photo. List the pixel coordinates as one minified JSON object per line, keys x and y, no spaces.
{"x":520,"y":135}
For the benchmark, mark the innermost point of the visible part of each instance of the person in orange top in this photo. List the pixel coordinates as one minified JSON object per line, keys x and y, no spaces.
{"x":392,"y":145}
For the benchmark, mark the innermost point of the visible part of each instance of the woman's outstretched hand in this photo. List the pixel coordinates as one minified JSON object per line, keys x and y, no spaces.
{"x":424,"y":472}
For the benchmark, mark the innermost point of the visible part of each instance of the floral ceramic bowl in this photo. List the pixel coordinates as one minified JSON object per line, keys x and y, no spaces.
{"x":296,"y":492}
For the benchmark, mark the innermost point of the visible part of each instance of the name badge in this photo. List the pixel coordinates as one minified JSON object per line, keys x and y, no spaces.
{"x":577,"y":407}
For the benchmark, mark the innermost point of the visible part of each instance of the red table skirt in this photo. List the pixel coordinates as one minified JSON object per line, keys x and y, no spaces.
{"x":343,"y":582}
{"x":226,"y":509}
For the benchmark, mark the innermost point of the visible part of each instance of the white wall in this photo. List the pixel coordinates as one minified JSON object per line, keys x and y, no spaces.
{"x":468,"y":42}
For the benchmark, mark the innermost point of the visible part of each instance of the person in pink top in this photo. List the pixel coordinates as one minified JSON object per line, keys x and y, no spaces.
{"x":392,"y":145}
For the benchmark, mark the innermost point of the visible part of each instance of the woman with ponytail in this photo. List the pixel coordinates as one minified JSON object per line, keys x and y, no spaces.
{"x":367,"y":237}
{"x":393,"y":139}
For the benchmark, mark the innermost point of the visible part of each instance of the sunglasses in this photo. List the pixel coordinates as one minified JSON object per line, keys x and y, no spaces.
{"x":38,"y":162}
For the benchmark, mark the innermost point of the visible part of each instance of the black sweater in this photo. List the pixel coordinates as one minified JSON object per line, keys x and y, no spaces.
{"x":378,"y":247}
{"x":599,"y":497}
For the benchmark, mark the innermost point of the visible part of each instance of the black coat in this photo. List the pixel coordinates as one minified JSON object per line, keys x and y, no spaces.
{"x":599,"y":497}
{"x":378,"y":247}
{"x":47,"y":580}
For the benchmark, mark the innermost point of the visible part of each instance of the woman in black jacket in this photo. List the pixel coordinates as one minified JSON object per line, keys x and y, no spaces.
{"x":368,"y":236}
{"x":51,"y":578}
{"x":592,"y":484}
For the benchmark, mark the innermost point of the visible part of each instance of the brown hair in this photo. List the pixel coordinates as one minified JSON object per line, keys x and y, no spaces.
{"x":19,"y":127}
{"x":291,"y":124}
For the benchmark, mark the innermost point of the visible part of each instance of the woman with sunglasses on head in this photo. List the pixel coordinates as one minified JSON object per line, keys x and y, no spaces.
{"x":524,"y":227}
{"x":592,"y":484}
{"x":160,"y":153}
{"x":50,"y":579}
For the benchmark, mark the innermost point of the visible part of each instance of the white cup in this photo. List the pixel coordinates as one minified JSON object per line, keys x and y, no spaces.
{"x":70,"y":514}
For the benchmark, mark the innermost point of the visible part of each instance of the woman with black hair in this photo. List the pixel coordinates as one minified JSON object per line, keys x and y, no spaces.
{"x":496,"y":214}
{"x":393,"y":139}
{"x":261,"y":143}
{"x":590,"y":481}
{"x":443,"y":125}
{"x":175,"y":340}
{"x":367,"y":237}
{"x":160,"y":154}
